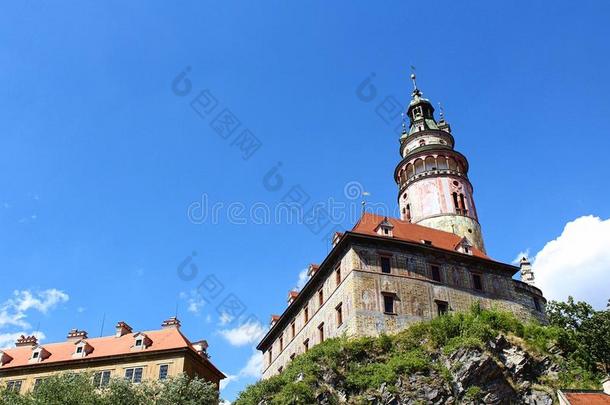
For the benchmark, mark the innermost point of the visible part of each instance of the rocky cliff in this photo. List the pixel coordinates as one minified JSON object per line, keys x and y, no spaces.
{"x":484,"y":357}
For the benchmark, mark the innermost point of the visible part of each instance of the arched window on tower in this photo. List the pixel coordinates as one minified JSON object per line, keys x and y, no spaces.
{"x":417,"y":112}
{"x":422,"y":142}
{"x":408,"y":213}
{"x":463,"y":204}
{"x":456,"y":203}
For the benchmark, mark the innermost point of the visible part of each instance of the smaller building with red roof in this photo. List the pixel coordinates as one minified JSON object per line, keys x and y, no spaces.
{"x":135,"y":356}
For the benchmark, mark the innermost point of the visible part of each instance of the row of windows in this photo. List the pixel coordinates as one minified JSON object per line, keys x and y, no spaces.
{"x":435,"y":272}
{"x":100,"y":378}
{"x":321,"y":336}
{"x":305,"y":311}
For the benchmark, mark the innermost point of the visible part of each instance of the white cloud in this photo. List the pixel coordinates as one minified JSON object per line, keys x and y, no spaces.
{"x":254,"y":366}
{"x":14,"y":310}
{"x":303,"y":278}
{"x":244,"y":334}
{"x":252,"y":369}
{"x":9,"y":339}
{"x":577,"y":263}
{"x":194,"y":301}
{"x":524,"y":253}
{"x":225,"y":318}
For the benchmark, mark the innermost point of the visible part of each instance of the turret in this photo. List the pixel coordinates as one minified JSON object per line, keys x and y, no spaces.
{"x":432,"y":177}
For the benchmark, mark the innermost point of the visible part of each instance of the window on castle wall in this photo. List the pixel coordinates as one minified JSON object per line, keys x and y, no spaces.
{"x":305,"y":314}
{"x":306,"y":345}
{"x":385,"y":265}
{"x":339,"y":314}
{"x":338,"y":275}
{"x":436,"y":273}
{"x":293,"y":329}
{"x":281,"y":343}
{"x":321,"y":332}
{"x":320,"y":297}
{"x":442,"y":307}
{"x":537,"y":304}
{"x":388,"y":303}
{"x":477,"y":282}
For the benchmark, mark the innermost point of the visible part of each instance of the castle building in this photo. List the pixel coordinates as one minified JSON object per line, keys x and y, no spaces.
{"x":388,"y":273}
{"x":135,"y":356}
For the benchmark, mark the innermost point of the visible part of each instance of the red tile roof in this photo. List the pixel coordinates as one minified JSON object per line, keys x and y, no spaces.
{"x":413,"y":233}
{"x":163,"y":339}
{"x":587,"y":398}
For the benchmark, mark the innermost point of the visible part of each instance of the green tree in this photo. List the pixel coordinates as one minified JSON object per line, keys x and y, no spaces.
{"x":584,"y":333}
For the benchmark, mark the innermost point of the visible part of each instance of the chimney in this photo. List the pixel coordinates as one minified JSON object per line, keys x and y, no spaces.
{"x":274,"y":319}
{"x":312,"y":269}
{"x":336,"y":238}
{"x":527,"y":274}
{"x":606,"y":385}
{"x":201,"y":347}
{"x":76,"y":334}
{"x":172,"y":322}
{"x":122,"y":329}
{"x":292,"y":295}
{"x":26,"y":341}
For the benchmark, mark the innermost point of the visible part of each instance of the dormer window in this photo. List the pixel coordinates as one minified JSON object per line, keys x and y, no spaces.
{"x":4,"y":358}
{"x":39,"y":354}
{"x":82,"y":349}
{"x":464,"y":246}
{"x":140,"y":341}
{"x":385,"y":228}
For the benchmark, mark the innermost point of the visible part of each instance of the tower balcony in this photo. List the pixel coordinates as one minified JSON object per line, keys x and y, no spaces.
{"x":404,"y":183}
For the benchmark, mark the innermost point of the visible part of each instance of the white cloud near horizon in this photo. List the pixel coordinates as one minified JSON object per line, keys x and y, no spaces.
{"x":577,"y":263}
{"x":252,"y":369}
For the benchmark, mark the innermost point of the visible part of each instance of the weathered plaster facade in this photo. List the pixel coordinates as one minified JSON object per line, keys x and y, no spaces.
{"x":410,"y":281}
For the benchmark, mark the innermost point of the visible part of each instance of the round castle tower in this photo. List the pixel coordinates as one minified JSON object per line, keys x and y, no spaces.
{"x":432,"y":177}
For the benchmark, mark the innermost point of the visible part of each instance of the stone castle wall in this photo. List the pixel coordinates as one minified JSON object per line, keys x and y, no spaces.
{"x":363,"y":283}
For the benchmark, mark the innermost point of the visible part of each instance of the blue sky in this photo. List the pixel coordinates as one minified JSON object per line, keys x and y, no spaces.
{"x":101,"y":159}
